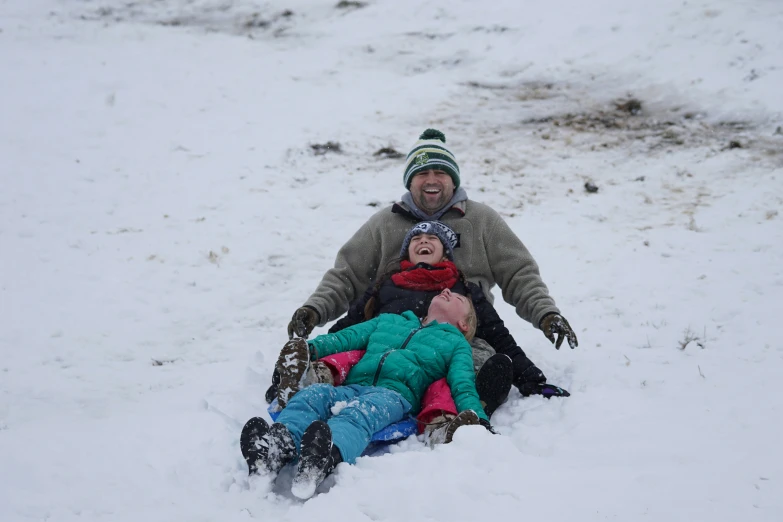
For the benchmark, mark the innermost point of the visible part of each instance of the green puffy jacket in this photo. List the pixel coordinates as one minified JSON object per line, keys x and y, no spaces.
{"x":404,"y":356}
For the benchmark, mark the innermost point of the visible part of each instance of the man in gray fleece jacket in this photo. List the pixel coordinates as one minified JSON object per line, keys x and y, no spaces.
{"x":488,"y":251}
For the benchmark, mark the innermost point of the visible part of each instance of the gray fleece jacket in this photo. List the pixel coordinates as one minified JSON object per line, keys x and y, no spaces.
{"x":488,"y":253}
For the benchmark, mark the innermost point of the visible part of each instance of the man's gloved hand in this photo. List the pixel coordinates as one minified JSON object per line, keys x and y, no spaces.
{"x":303,"y":322}
{"x":542,"y":388}
{"x":555,"y":324}
{"x":488,"y":426}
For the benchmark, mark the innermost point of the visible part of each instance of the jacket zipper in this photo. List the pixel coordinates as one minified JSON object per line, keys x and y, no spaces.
{"x":383,"y":359}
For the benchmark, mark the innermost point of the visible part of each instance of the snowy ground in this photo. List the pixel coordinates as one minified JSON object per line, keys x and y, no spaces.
{"x":162,"y":213}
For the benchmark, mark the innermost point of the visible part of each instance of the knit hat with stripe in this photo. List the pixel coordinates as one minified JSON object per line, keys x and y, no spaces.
{"x":447,"y":236}
{"x":430,"y":152}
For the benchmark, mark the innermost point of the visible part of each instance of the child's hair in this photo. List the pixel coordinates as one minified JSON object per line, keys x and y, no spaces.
{"x":370,"y":309}
{"x":471,"y":319}
{"x":447,"y":237}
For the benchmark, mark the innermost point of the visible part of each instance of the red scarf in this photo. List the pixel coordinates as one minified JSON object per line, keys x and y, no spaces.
{"x":416,"y":277}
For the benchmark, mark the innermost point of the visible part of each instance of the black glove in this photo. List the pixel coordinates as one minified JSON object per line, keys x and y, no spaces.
{"x":552,"y":324}
{"x":303,"y":322}
{"x":542,"y":388}
{"x":488,"y":426}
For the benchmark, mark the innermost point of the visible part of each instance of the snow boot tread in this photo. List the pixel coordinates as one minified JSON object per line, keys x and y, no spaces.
{"x":292,"y":365}
{"x":317,"y":459}
{"x":464,"y":418}
{"x":253,"y":443}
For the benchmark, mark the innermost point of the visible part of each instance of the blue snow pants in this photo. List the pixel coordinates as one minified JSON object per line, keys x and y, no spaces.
{"x":368,"y":409}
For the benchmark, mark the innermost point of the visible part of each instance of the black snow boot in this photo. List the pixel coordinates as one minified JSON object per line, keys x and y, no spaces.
{"x":493,"y":382}
{"x":266,"y":448}
{"x":271,"y":392}
{"x":318,"y":458}
{"x":253,"y":443}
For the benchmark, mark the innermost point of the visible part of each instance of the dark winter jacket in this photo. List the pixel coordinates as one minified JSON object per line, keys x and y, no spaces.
{"x":406,"y":357}
{"x":390,"y":298}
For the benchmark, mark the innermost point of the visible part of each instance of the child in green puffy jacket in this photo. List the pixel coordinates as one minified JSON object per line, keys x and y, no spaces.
{"x":324,"y":425}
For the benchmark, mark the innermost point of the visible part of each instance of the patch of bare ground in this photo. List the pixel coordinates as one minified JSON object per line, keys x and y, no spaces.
{"x":570,"y":116}
{"x":627,"y":120}
{"x":217,"y":16}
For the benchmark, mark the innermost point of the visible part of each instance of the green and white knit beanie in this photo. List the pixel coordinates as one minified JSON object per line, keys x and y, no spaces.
{"x":430,"y":152}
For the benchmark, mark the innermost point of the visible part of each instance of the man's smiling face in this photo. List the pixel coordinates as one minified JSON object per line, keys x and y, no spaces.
{"x":431,"y":190}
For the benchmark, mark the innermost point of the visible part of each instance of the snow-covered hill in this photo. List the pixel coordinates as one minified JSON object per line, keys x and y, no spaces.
{"x":164,"y":209}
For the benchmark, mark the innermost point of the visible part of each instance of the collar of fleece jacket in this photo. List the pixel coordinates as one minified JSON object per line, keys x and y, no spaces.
{"x":402,"y":208}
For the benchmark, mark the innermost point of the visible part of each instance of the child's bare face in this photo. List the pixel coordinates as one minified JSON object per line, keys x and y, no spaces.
{"x":449,"y":307}
{"x":425,"y":248}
